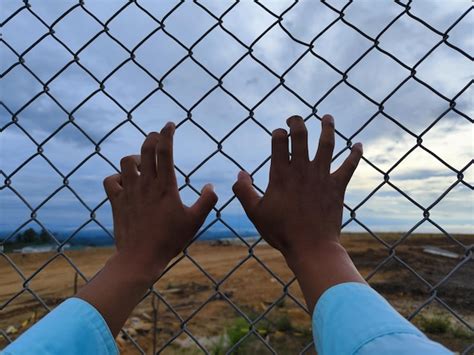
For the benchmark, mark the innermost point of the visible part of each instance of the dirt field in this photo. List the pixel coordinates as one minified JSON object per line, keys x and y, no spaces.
{"x":217,"y":325}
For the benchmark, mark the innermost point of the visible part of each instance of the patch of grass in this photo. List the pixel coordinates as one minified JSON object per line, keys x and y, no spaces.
{"x":220,"y":347}
{"x":304,"y":332}
{"x":462,"y":333}
{"x":435,"y":324}
{"x":237,"y":331}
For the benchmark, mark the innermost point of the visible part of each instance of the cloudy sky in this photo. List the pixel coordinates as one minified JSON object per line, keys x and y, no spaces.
{"x":310,"y":34}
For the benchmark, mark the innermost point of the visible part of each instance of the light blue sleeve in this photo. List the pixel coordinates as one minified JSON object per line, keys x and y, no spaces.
{"x":352,"y":318}
{"x":73,"y":327}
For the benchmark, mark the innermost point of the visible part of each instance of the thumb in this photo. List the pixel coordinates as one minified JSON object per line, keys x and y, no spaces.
{"x":205,"y":202}
{"x":245,"y":192}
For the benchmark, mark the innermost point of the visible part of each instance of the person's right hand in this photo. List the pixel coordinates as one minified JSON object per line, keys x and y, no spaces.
{"x":151,"y":227}
{"x":300,"y":213}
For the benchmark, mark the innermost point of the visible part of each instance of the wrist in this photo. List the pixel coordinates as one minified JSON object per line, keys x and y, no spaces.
{"x":120,"y":286}
{"x":135,"y":268}
{"x":316,"y":252}
{"x":320,"y":266}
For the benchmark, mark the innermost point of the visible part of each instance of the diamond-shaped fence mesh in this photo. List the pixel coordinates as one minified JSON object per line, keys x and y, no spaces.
{"x":70,"y":39}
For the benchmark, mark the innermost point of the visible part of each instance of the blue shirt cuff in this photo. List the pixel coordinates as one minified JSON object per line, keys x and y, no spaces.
{"x":349,"y":315}
{"x":73,"y":327}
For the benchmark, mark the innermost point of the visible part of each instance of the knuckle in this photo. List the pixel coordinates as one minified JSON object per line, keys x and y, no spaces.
{"x":105,"y":183}
{"x":129,"y":161}
{"x":237,"y":187}
{"x":164,"y":149}
{"x":108,"y":180}
{"x":329,"y":124}
{"x":148,"y":146}
{"x":108,"y":185}
{"x":144,"y":188}
{"x":301,"y":176}
{"x":299,"y":132}
{"x":276,"y":177}
{"x":153,"y":136}
{"x":151,"y":140}
{"x":353,"y":163}
{"x":350,"y":165}
{"x":126,"y":160}
{"x":327,"y":143}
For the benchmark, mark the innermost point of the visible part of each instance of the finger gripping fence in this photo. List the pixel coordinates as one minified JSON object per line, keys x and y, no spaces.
{"x":219,"y":83}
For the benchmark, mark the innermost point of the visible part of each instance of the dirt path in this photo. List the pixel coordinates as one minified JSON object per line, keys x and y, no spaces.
{"x":250,"y":288}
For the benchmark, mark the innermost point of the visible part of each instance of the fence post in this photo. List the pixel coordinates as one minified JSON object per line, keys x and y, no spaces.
{"x":75,"y":283}
{"x":154,"y":305}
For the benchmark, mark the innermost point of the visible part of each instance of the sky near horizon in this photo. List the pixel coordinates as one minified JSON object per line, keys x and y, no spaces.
{"x":420,"y":175}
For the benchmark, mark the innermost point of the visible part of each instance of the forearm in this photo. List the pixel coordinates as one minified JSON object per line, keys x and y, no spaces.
{"x":320,"y":267}
{"x":118,"y":288}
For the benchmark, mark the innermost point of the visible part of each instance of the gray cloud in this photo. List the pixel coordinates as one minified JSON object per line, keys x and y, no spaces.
{"x":413,"y":105}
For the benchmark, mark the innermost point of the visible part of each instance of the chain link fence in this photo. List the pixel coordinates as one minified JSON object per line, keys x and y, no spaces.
{"x":12,"y":118}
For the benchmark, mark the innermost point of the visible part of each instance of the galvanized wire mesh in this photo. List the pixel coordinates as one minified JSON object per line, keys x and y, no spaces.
{"x":219,"y":82}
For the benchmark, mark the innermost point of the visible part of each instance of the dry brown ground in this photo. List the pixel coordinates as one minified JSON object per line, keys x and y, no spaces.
{"x":252,"y":289}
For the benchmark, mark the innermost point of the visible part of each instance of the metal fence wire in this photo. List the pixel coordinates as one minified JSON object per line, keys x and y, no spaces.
{"x":219,"y":23}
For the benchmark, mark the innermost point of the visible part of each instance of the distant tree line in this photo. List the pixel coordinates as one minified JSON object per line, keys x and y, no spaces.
{"x":29,"y":236}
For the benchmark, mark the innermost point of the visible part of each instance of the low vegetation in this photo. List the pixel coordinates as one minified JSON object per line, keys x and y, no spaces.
{"x":29,"y":237}
{"x":441,"y":325}
{"x":435,"y":324}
